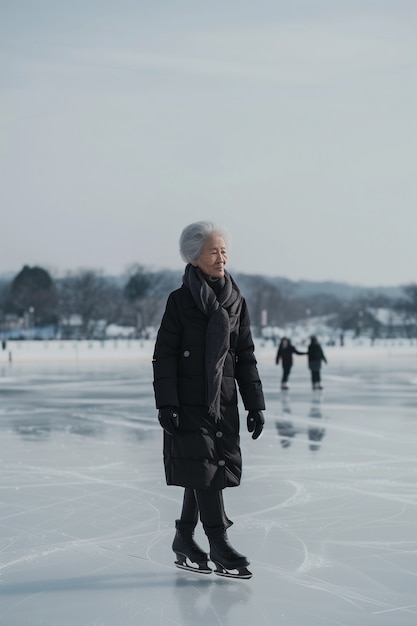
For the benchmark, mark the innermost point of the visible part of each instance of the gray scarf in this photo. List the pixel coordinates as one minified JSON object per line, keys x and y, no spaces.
{"x":223,"y":311}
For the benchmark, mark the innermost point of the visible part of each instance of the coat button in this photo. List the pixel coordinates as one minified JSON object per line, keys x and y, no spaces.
{"x":186,"y":353}
{"x":219,"y":434}
{"x":222,"y":463}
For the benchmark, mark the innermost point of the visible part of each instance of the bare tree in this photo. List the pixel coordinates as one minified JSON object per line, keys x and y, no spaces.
{"x":88,"y":294}
{"x":146,"y":293}
{"x":407,"y":306}
{"x":265,"y":302}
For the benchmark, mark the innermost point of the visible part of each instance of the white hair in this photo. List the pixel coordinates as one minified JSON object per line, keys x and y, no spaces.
{"x":194,"y":237}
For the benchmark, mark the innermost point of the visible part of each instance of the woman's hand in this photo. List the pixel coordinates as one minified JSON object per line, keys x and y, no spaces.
{"x":256,"y":423}
{"x":169,"y":419}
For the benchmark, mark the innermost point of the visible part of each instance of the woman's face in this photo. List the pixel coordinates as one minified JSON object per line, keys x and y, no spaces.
{"x":213,"y":257}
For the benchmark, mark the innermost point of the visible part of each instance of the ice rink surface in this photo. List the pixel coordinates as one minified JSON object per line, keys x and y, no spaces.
{"x":326,"y":513}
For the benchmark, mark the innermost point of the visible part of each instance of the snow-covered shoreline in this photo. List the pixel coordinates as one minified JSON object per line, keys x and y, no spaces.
{"x":141,"y":350}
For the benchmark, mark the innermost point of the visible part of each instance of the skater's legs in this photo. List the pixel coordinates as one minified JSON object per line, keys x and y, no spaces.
{"x":209,"y":504}
{"x":315,"y":377}
{"x":184,"y":545}
{"x":215,"y":522}
{"x":285,"y":373}
{"x":211,"y":508}
{"x":189,"y":513}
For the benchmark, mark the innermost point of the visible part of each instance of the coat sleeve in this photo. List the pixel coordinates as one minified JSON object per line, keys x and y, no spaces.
{"x":165,"y":357}
{"x":246,"y":372}
{"x":299,"y":351}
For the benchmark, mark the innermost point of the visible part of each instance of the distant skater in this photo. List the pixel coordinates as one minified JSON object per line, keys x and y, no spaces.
{"x":284,"y":354}
{"x":315,"y":357}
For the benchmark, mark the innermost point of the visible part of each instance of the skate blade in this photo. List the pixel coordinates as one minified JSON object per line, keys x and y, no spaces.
{"x":242,"y":573}
{"x":199,"y":569}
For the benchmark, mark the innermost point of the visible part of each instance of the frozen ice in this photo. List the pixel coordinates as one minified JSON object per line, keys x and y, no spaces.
{"x":326,"y":511}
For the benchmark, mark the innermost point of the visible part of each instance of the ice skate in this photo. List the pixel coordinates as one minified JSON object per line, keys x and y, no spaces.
{"x":228,"y":562}
{"x":184,"y":562}
{"x":190,"y":556}
{"x":241,"y":573}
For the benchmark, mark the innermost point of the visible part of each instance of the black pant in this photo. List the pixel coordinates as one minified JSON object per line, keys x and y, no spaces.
{"x":315,"y":376}
{"x":209,"y":504}
{"x":286,"y":369}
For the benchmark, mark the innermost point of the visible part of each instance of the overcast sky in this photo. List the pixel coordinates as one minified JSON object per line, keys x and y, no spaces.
{"x":293,"y":124}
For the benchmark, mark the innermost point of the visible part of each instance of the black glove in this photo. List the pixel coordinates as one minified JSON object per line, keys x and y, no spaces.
{"x":256,"y":423}
{"x":169,"y":419}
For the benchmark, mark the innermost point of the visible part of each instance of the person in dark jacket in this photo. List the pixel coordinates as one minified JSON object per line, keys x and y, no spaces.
{"x":284,"y":354}
{"x":315,"y":357}
{"x":203,"y":353}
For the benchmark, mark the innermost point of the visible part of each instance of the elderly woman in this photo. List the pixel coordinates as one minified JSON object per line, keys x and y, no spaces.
{"x":203,"y":347}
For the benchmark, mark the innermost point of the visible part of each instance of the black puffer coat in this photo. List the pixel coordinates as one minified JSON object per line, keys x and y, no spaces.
{"x":315,"y":356}
{"x":285,"y":354}
{"x":202,"y":453}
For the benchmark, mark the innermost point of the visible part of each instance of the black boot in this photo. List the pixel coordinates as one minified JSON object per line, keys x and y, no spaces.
{"x":224,"y":556}
{"x":185,"y":548}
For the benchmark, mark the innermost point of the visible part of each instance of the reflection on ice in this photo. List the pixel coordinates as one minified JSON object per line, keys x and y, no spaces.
{"x":288,"y":428}
{"x":326,"y":510}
